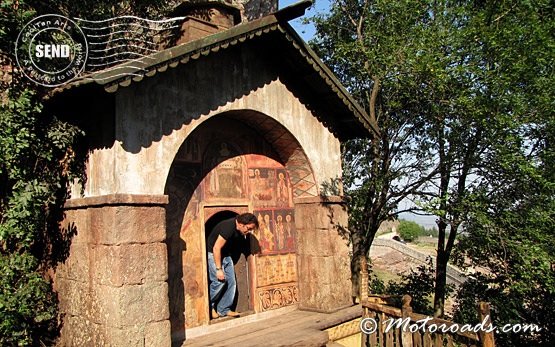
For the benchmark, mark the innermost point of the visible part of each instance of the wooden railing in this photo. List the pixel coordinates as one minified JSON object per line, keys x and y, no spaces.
{"x":400,"y":327}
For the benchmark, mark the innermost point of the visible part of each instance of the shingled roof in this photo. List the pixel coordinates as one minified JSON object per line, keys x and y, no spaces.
{"x":302,"y":70}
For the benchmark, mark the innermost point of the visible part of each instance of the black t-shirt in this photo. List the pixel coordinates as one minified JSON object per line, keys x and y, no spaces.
{"x":235,"y":241}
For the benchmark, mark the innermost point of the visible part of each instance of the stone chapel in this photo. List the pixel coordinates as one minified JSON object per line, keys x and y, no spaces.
{"x":237,"y":115}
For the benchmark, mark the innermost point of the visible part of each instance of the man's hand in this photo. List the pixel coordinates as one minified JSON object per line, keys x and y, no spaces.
{"x":220,"y":275}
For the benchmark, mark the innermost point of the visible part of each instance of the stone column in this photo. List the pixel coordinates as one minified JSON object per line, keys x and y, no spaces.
{"x":113,"y":287}
{"x":323,"y":261}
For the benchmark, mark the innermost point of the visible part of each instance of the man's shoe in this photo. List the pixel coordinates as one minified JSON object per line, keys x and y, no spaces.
{"x":233,"y":314}
{"x":214,"y":314}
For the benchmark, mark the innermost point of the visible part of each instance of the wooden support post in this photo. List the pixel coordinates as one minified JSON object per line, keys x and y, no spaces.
{"x":363,"y":279}
{"x":486,"y":338}
{"x":406,"y":310}
{"x":364,"y":296}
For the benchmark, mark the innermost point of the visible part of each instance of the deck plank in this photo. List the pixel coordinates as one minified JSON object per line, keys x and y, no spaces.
{"x":296,"y":328}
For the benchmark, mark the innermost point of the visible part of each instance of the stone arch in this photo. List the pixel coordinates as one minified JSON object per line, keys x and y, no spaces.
{"x":215,"y":169}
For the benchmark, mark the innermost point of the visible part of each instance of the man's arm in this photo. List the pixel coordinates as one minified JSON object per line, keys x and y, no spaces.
{"x":217,"y":250}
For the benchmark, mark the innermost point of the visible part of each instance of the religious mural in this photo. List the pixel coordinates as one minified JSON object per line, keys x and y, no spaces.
{"x":276,"y":269}
{"x":212,"y":171}
{"x":225,"y":178}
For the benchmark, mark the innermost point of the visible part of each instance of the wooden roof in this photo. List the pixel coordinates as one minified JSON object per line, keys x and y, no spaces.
{"x":302,"y":71}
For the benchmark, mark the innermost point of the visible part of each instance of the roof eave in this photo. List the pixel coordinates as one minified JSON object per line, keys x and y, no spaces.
{"x":124,"y":74}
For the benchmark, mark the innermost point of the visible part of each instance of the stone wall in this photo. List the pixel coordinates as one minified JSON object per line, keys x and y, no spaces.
{"x":155,"y":117}
{"x":396,"y":257}
{"x":322,"y":254}
{"x":113,"y":287}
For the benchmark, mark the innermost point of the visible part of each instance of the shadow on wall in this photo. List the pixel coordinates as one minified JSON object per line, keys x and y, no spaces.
{"x":159,"y":105}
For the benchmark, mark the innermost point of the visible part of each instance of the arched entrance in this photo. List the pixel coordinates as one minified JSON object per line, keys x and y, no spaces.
{"x":238,"y":162}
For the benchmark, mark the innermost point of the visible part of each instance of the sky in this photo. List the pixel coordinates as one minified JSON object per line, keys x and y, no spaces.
{"x":304,"y":30}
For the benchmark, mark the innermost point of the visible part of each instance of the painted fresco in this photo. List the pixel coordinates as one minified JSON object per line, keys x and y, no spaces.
{"x":212,"y":173}
{"x":276,"y":232}
{"x":274,"y":297}
{"x":276,"y":269}
{"x":225,"y":178}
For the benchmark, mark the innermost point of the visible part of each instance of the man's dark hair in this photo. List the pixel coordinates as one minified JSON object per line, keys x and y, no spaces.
{"x":247,"y":218}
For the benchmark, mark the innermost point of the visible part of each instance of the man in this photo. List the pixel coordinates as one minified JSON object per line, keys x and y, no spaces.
{"x":226,"y":238}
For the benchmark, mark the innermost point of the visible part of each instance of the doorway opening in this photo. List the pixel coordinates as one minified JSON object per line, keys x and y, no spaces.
{"x":243,"y":302}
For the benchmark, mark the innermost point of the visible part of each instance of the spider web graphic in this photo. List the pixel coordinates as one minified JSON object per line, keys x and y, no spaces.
{"x":127,"y":40}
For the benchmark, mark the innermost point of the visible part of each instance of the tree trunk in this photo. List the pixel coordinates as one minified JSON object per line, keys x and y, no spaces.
{"x":358,"y":252}
{"x":441,"y":283}
{"x":441,"y":270}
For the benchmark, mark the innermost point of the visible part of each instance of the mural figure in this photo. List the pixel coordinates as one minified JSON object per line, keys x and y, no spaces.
{"x":282,"y":190}
{"x":226,"y":178}
{"x":289,"y":233}
{"x":230,"y":178}
{"x":280,"y":232}
{"x":261,"y":193}
{"x":267,"y":238}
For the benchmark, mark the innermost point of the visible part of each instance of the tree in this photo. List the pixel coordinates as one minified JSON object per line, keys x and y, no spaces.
{"x":378,"y":50}
{"x":506,"y":50}
{"x":458,"y":80}
{"x":410,"y":230}
{"x":511,"y":240}
{"x":510,"y":237}
{"x":39,"y":156}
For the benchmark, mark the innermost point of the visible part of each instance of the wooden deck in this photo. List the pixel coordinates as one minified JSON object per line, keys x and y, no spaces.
{"x":293,"y":328}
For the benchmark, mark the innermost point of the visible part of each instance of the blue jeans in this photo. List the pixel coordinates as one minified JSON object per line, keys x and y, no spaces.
{"x":222,"y":293}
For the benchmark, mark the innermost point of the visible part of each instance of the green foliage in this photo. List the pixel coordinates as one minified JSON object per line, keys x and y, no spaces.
{"x":28,"y":307}
{"x":409,"y":230}
{"x":39,"y":156}
{"x":456,"y":89}
{"x":511,"y":239}
{"x":36,"y":163}
{"x":433,"y":232}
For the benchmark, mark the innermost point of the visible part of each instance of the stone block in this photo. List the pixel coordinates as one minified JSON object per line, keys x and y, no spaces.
{"x":77,"y":263}
{"x":131,"y":305}
{"x":74,"y":297}
{"x":102,"y":221}
{"x":318,"y":242}
{"x":104,"y":306}
{"x":115,"y":225}
{"x":78,"y":331}
{"x":126,"y":337}
{"x":60,"y":272}
{"x":302,"y":212}
{"x":158,"y":334}
{"x":320,"y":214}
{"x":77,"y":222}
{"x":130,"y":264}
{"x":324,"y":282}
{"x":144,"y":304}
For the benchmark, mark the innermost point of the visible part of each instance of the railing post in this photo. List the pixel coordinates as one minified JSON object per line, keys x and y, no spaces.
{"x":406,"y":310}
{"x":486,"y":338}
{"x":364,"y":295}
{"x":363,"y":279}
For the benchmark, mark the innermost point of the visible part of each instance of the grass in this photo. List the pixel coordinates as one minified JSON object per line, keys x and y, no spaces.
{"x":386,"y":276}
